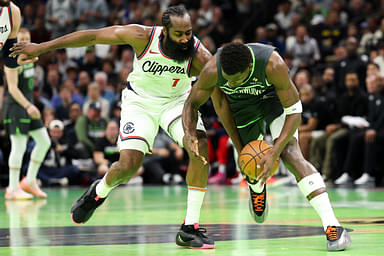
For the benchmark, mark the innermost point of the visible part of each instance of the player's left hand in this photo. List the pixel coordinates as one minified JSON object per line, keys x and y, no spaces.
{"x":266,"y":163}
{"x":193,"y":144}
{"x":30,"y":50}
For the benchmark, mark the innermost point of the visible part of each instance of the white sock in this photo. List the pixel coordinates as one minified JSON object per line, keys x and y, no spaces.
{"x":195,"y":200}
{"x":324,"y":209}
{"x":222,"y":168}
{"x":33,"y":168}
{"x":102,"y":189}
{"x":257,"y":188}
{"x":14,"y":177}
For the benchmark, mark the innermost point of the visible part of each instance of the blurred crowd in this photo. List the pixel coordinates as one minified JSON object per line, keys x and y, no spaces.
{"x":334,"y":49}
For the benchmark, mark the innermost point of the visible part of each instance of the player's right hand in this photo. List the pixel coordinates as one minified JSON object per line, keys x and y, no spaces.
{"x":33,"y":112}
{"x":193,"y":144}
{"x":30,"y":50}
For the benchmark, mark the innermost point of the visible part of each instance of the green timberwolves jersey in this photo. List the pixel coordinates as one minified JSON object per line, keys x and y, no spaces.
{"x":255,"y":100}
{"x":26,"y":76}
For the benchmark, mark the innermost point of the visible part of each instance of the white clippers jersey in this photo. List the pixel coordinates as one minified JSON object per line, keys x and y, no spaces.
{"x":5,"y":24}
{"x":156,"y":75}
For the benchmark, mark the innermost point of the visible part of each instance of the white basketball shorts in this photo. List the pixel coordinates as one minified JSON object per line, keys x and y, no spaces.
{"x":141,"y":118}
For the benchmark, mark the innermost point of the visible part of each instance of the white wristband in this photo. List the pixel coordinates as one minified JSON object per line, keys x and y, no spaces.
{"x":295,"y":108}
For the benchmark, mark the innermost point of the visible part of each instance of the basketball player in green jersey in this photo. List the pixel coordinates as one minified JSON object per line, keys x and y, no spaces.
{"x":165,"y":59}
{"x":251,"y":89}
{"x":21,"y":117}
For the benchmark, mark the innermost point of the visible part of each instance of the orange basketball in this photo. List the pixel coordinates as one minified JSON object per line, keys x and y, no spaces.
{"x":251,"y":155}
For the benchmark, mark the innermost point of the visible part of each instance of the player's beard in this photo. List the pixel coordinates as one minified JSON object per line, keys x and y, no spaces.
{"x":5,"y":3}
{"x":178,"y":51}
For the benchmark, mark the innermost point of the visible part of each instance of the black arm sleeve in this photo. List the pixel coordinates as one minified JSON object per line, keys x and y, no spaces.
{"x":9,"y":61}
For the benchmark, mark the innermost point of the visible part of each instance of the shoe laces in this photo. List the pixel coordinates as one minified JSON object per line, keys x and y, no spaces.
{"x":258,"y":201}
{"x":331,"y":233}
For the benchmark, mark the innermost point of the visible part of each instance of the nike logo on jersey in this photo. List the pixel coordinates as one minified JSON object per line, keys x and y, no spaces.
{"x":152,"y":52}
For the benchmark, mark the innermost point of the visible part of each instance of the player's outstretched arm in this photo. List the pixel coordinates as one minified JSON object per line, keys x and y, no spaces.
{"x":200,"y":93}
{"x":277,"y":74}
{"x":134,"y":35}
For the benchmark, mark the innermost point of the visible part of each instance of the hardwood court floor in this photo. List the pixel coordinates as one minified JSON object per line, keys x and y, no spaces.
{"x":137,"y":220}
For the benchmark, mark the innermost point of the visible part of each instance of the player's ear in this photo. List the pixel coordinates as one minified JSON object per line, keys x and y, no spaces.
{"x":250,"y":66}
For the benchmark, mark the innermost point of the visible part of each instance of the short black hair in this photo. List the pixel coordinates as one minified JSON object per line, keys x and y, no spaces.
{"x":235,"y":57}
{"x":177,"y":10}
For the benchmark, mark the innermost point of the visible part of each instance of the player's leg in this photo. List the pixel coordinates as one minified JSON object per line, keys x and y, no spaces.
{"x":136,"y":136}
{"x":190,"y":235}
{"x":42,"y":144}
{"x":313,"y":187}
{"x":18,"y":147}
{"x":258,"y":205}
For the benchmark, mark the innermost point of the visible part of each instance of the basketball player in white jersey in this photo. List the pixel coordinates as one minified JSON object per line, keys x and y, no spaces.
{"x":22,"y":118}
{"x":165,"y":60}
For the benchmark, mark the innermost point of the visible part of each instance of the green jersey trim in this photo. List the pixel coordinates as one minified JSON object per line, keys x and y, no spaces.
{"x":251,"y":122}
{"x":24,"y":120}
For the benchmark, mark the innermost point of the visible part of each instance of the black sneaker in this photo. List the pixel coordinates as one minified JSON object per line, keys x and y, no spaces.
{"x":191,"y":236}
{"x":338,"y":238}
{"x":83,"y":208}
{"x":258,"y":205}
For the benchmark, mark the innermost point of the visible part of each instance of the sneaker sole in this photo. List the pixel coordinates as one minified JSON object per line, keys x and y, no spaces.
{"x":74,"y":222}
{"x":340,"y":245}
{"x":205,"y":246}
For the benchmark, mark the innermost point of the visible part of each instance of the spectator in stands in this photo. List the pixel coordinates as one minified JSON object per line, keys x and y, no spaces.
{"x":83,"y":82}
{"x":352,"y":103}
{"x":52,"y":85}
{"x":303,"y":48}
{"x":352,"y":63}
{"x":60,"y":17}
{"x":302,"y":78}
{"x":64,"y":62}
{"x":284,"y":15}
{"x":92,"y":14}
{"x":106,"y":92}
{"x":106,"y":151}
{"x":39,"y":33}
{"x":163,"y":165}
{"x":361,"y":154}
{"x":328,"y":34}
{"x":57,"y":167}
{"x":312,"y":119}
{"x":90,"y":62}
{"x":272,"y":38}
{"x":90,"y":127}
{"x":69,"y":125}
{"x":94,"y":95}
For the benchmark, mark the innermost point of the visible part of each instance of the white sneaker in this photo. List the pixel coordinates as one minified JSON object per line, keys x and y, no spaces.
{"x":138,"y":180}
{"x":364,"y":179}
{"x":343,"y":179}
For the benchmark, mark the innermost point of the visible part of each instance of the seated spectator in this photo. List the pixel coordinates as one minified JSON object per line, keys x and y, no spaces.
{"x":57,"y":167}
{"x":69,"y":125}
{"x":106,"y":151}
{"x":106,"y":92}
{"x":83,"y":82}
{"x":90,"y":127}
{"x":303,"y":48}
{"x":163,"y":165}
{"x":364,"y":142}
{"x":313,"y":119}
{"x":94,"y":95}
{"x":323,"y":152}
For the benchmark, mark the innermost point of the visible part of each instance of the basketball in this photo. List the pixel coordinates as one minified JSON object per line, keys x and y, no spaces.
{"x":251,"y":155}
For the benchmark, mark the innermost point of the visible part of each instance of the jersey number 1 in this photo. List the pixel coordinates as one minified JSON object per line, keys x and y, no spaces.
{"x":175,"y":81}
